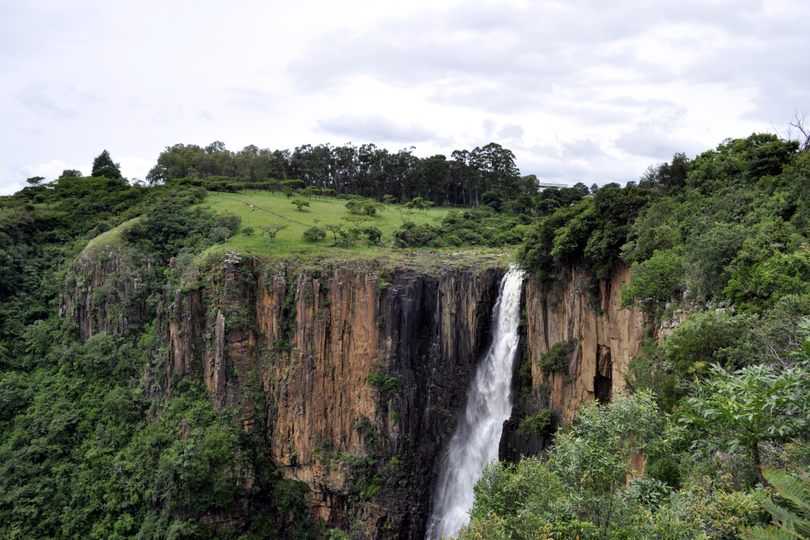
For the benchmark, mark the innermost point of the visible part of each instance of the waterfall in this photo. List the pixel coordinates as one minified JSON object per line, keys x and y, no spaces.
{"x":478,"y":433}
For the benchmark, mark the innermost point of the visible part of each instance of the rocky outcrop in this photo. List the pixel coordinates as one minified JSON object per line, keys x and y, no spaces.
{"x":607,"y":337}
{"x":103,"y":292}
{"x":356,"y":373}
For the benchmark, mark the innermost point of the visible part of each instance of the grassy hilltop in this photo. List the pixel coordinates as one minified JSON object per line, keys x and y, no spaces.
{"x":274,"y":208}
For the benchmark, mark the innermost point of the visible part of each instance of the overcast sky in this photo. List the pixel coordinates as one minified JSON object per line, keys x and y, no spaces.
{"x":579,"y":90}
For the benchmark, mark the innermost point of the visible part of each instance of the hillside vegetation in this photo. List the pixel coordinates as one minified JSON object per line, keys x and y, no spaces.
{"x":719,"y":249}
{"x":91,"y":446}
{"x":260,"y":209}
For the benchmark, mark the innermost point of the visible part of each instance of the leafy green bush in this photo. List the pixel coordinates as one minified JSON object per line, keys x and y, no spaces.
{"x":655,"y":281}
{"x":742,"y":409}
{"x":171,"y":227}
{"x":413,"y":235}
{"x":300,"y":204}
{"x":538,"y":425}
{"x":558,"y":358}
{"x":710,"y":337}
{"x":790,"y":511}
{"x":314,"y":234}
{"x":382,"y":382}
{"x":362,"y":207}
{"x":373,"y":234}
{"x":762,"y":284}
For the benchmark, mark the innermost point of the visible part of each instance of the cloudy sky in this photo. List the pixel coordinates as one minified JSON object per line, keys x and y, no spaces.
{"x":579,"y":90}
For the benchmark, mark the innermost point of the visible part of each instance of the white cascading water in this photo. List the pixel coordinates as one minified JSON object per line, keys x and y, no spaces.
{"x":478,"y":433}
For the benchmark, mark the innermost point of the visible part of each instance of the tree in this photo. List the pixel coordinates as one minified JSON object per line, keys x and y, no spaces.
{"x":272,"y":230}
{"x":418,"y":203}
{"x":798,"y":126}
{"x":335,"y":229}
{"x":314,"y":233}
{"x":655,"y":281}
{"x":104,"y":166}
{"x":70,"y":173}
{"x":300,"y":204}
{"x":373,"y":233}
{"x":35,"y":180}
{"x":756,"y":404}
{"x":592,"y":458}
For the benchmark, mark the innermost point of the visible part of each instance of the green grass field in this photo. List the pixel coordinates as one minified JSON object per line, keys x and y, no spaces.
{"x":271,"y":208}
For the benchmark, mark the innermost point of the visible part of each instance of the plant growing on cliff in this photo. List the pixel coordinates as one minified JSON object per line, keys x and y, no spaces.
{"x":581,"y":490}
{"x":540,"y":424}
{"x":655,"y":281}
{"x":383,"y":382}
{"x":788,"y":505}
{"x":558,"y":358}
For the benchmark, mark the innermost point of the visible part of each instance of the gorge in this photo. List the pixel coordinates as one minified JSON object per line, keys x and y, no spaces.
{"x":359,"y":369}
{"x":223,"y":357}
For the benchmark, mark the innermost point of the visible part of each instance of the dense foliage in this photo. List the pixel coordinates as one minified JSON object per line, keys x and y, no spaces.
{"x":717,"y":249}
{"x":89,"y":445}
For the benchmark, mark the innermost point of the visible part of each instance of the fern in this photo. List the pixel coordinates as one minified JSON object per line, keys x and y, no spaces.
{"x":790,"y":511}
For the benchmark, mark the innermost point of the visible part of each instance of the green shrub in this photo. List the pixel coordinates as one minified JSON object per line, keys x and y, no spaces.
{"x":710,"y":337}
{"x":558,"y":358}
{"x":538,"y":425}
{"x":382,"y":382}
{"x":413,"y":235}
{"x":314,"y":234}
{"x":362,"y":207}
{"x":655,"y":281}
{"x":762,"y":284}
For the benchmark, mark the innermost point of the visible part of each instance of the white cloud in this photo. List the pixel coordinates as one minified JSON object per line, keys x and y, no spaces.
{"x":576,"y":90}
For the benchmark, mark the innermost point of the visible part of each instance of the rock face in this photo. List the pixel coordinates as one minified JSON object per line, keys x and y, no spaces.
{"x":607,"y":338}
{"x":103,"y":292}
{"x":356,"y":373}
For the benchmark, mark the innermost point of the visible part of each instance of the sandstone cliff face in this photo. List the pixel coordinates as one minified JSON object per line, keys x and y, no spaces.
{"x":356,"y":373}
{"x":607,"y":338}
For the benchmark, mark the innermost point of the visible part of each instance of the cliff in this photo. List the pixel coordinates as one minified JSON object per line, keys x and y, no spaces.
{"x":354,"y":370}
{"x":604,"y":337}
{"x":105,"y":291}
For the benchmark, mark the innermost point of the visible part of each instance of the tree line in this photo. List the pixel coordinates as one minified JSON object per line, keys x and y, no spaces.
{"x":462,"y":180}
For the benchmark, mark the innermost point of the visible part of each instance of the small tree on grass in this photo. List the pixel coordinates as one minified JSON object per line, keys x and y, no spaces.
{"x":418,"y":203}
{"x":364,"y":207}
{"x":300,"y":204}
{"x":272,"y":230}
{"x":313,"y":234}
{"x":356,"y":221}
{"x":373,"y":234}
{"x":336,"y":229}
